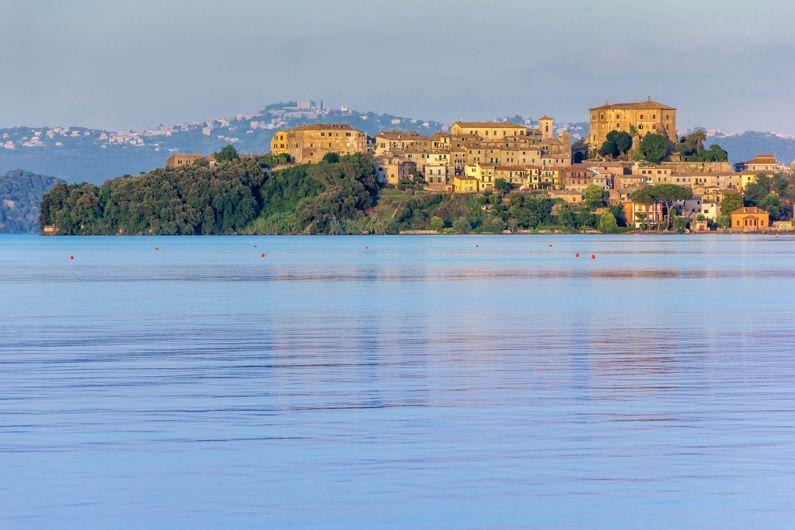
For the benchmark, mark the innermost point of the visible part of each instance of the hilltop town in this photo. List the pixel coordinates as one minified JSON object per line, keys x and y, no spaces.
{"x":632,"y":160}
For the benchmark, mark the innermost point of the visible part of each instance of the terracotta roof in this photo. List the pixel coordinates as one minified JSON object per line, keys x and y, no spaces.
{"x":325,"y":127}
{"x":748,"y":210}
{"x":511,"y":168}
{"x":649,"y":104}
{"x":497,"y":124}
{"x":763,"y":159}
{"x":398,"y":135}
{"x":545,"y":117}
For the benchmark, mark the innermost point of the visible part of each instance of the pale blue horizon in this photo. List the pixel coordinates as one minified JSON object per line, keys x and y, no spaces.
{"x":134,"y":65}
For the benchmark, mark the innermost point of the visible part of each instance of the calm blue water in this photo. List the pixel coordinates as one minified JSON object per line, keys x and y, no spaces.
{"x":425,"y":382}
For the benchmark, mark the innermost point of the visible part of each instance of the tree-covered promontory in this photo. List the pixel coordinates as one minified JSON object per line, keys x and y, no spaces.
{"x":340,"y":195}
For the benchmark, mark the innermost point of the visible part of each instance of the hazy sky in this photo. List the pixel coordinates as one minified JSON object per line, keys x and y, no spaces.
{"x":133,"y":64}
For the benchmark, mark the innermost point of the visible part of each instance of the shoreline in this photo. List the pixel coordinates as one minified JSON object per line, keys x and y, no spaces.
{"x":434,"y":233}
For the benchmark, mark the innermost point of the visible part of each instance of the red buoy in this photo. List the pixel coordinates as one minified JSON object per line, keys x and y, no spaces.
{"x":71,"y":257}
{"x":477,"y":246}
{"x":550,"y":245}
{"x":157,"y":248}
{"x":593,"y":256}
{"x":577,"y":255}
{"x":366,"y":248}
{"x":262,"y":255}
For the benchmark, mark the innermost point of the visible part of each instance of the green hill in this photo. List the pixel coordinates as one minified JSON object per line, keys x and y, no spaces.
{"x":20,"y":195}
{"x":239,"y":196}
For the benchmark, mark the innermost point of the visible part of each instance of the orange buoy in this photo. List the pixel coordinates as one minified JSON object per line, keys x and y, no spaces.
{"x":157,"y":248}
{"x":593,"y":256}
{"x":577,"y":255}
{"x":71,"y":257}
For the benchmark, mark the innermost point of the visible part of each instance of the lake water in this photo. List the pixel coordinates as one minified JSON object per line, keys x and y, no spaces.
{"x":459,"y":382}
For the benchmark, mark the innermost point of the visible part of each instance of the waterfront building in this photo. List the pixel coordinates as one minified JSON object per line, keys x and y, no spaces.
{"x":639,"y":118}
{"x":309,"y":143}
{"x":639,"y":214}
{"x":750,"y":219}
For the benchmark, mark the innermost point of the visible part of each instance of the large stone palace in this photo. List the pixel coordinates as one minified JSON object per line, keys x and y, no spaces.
{"x":639,"y":118}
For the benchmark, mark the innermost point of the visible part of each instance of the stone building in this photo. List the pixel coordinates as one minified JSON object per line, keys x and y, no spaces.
{"x":182,"y":160}
{"x":309,"y":143}
{"x":642,"y":117}
{"x":488,"y":130}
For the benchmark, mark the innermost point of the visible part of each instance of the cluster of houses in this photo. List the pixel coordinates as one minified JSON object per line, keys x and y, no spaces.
{"x":472,"y":156}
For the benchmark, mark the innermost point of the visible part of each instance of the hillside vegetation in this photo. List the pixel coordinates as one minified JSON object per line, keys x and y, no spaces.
{"x":20,"y":195}
{"x":237,"y":196}
{"x":338,"y":196}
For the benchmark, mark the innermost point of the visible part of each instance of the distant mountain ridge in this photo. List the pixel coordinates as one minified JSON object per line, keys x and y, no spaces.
{"x":94,"y":155}
{"x":748,"y":144}
{"x":20,"y":196}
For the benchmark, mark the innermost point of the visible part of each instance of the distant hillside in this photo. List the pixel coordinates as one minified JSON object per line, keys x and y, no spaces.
{"x":20,"y":195}
{"x":746,"y":145}
{"x":94,"y":155}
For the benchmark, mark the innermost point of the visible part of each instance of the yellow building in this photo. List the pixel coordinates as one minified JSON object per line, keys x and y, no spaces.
{"x":182,"y":160}
{"x":488,"y":130}
{"x":519,"y":176}
{"x":309,"y":143}
{"x":483,"y":173}
{"x":750,"y":219}
{"x":465,"y":184}
{"x":643,"y":117}
{"x":279,"y":143}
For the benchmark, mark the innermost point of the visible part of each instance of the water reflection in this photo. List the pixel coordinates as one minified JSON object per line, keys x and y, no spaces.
{"x":424,"y":384}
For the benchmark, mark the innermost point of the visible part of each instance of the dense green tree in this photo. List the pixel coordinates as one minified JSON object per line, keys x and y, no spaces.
{"x":503,"y":186}
{"x":662,"y":194}
{"x":227,"y":154}
{"x":616,"y":143}
{"x":654,"y":148}
{"x":731,"y":201}
{"x":530,"y":210}
{"x":754,"y":193}
{"x":608,"y":223}
{"x":594,"y":196}
{"x":331,"y":158}
{"x":437,"y":223}
{"x":773,"y":204}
